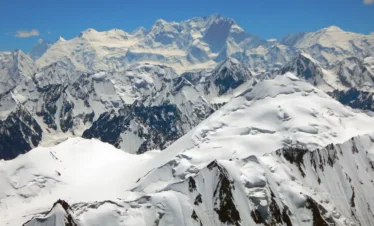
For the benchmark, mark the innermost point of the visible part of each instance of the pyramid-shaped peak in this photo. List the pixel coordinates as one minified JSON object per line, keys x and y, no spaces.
{"x":19,"y":55}
{"x":228,"y":63}
{"x":231,"y":60}
{"x":60,"y":39}
{"x":139,"y":29}
{"x":17,"y":52}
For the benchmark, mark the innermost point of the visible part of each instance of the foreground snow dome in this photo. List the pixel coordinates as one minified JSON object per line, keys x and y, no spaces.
{"x":282,"y":152}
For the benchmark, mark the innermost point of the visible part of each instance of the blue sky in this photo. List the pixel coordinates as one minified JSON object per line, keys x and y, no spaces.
{"x":49,"y":19}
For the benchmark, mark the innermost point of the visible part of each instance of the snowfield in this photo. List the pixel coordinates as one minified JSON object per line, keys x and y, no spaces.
{"x":281,"y":153}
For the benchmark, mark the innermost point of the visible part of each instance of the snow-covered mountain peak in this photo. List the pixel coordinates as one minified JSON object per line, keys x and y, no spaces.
{"x":60,"y":39}
{"x":91,"y":34}
{"x":23,"y":63}
{"x":88,"y":32}
{"x":218,"y":17}
{"x":229,"y":75}
{"x":332,"y":28}
{"x":330,"y":45}
{"x":14,"y":67}
{"x":117,"y":31}
{"x":139,"y":32}
{"x":229,"y":62}
{"x":161,"y":22}
{"x":202,"y":42}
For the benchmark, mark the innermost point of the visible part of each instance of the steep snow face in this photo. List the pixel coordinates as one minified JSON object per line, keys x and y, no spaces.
{"x":332,"y":44}
{"x":265,"y":157}
{"x":14,"y":67}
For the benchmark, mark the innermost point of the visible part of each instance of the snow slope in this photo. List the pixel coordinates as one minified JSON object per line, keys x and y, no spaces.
{"x":265,"y":157}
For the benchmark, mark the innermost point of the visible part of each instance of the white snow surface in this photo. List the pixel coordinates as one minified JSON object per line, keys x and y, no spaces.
{"x":56,"y":216}
{"x":101,"y":182}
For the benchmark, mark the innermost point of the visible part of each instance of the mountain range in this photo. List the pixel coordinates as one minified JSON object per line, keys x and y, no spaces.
{"x":188,"y":123}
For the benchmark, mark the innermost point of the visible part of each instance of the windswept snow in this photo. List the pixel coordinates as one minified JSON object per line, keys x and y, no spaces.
{"x":77,"y":169}
{"x":229,"y":161}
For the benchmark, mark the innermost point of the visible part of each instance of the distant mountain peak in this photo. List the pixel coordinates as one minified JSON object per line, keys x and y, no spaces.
{"x":214,"y":15}
{"x":138,"y":30}
{"x":60,"y":39}
{"x":86,"y":32}
{"x":332,"y":28}
{"x":160,"y":22}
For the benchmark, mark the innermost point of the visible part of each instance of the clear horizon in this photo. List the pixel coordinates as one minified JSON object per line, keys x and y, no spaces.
{"x":269,"y":19}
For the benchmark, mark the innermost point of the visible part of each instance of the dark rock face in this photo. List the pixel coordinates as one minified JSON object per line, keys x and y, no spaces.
{"x":18,"y":134}
{"x":354,"y":98}
{"x":294,"y":156}
{"x":318,"y":220}
{"x":69,"y":221}
{"x":50,"y":94}
{"x":228,"y":80}
{"x":157,"y":125}
{"x":304,"y":68}
{"x":224,"y":203}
